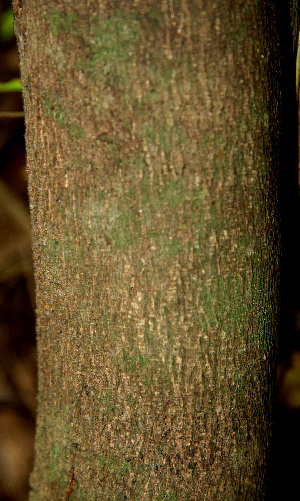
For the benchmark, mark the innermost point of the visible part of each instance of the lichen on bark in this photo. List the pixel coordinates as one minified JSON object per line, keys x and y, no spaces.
{"x":152,"y":178}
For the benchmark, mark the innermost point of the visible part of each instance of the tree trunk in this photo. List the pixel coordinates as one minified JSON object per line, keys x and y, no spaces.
{"x":151,"y":134}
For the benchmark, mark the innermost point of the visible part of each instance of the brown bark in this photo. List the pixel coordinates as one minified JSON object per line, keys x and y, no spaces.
{"x":152,"y":160}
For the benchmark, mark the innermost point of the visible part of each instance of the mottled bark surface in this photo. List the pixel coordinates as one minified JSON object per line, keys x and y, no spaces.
{"x":152,"y":145}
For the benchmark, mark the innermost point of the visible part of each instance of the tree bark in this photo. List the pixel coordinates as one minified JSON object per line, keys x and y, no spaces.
{"x":151,"y":132}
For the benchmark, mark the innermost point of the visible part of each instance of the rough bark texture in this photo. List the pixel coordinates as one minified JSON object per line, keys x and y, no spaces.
{"x":152,"y":159}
